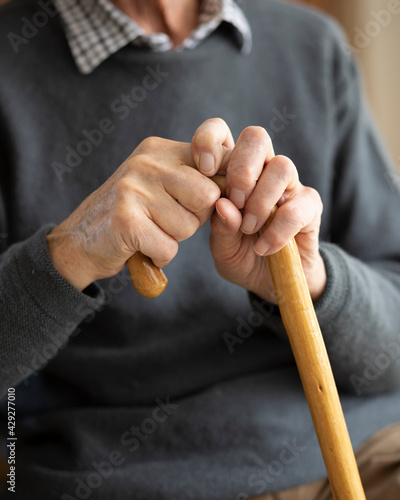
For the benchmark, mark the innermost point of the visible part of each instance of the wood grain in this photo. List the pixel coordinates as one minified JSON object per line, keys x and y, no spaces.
{"x":312,"y":361}
{"x":315,"y":371}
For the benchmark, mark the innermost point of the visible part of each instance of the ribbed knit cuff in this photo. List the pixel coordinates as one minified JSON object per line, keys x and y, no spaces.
{"x":335,"y":297}
{"x":40,"y":309}
{"x":57,"y":298}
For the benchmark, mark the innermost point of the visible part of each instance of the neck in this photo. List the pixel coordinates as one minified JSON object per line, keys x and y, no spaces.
{"x":176,"y":18}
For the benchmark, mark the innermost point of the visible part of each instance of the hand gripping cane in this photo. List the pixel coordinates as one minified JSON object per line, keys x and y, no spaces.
{"x":309,"y":351}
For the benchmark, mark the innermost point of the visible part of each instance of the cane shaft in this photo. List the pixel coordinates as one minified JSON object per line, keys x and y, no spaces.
{"x":312,"y":361}
{"x":309,"y":350}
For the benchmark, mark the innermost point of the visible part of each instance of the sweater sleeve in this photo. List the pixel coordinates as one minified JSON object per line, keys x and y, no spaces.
{"x":39,"y":310}
{"x":359,"y":312}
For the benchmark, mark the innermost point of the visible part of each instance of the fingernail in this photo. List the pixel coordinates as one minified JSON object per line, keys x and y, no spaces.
{"x":223,"y":219}
{"x":261,"y":247}
{"x":237,"y":197}
{"x":206,"y":163}
{"x":249,"y":223}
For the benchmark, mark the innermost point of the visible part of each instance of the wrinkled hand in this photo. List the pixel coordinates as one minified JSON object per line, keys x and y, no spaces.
{"x":155,"y":199}
{"x":256,"y":180}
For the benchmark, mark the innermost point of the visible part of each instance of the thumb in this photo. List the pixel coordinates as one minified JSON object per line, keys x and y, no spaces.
{"x":226,"y":235}
{"x":212,"y":145}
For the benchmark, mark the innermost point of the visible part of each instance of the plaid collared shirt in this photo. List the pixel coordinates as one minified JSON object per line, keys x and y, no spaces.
{"x":96,"y":29}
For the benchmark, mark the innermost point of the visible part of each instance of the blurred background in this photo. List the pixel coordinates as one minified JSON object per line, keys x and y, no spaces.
{"x":373,"y":30}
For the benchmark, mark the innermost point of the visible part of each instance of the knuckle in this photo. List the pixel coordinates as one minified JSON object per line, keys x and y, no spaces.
{"x":191,"y":227}
{"x":280,"y":174}
{"x":136,"y":162}
{"x":210,"y":131}
{"x":292,"y":216}
{"x":256,"y":133}
{"x":211,"y":193}
{"x":124,"y":187}
{"x":168,"y":251}
{"x":283,"y":161}
{"x":203,"y":139}
{"x":314,"y":197}
{"x":207,"y":128}
{"x":245,"y":174}
{"x":284,"y":167}
{"x":151,"y":143}
{"x":137,"y":236}
{"x":186,"y":228}
{"x":261,"y":199}
{"x":145,"y":166}
{"x":277,"y":241}
{"x":260,"y":206}
{"x":205,"y":196}
{"x":219,"y":122}
{"x":243,"y":177}
{"x":130,"y":197}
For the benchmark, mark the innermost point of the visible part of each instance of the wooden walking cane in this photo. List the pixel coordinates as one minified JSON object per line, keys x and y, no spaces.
{"x":309,"y":351}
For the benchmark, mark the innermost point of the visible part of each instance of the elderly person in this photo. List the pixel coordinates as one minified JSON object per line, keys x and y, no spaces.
{"x":108,"y":140}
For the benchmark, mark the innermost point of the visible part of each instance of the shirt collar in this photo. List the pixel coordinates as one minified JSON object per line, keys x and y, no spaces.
{"x":96,"y":29}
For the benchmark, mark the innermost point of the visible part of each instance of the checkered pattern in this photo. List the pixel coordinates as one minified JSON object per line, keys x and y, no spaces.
{"x":96,"y":29}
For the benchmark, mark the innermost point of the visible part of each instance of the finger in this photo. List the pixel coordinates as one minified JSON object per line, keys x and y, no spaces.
{"x":225,"y":230}
{"x":165,"y":150}
{"x":152,"y":241}
{"x":211,"y":146}
{"x":229,"y":216}
{"x":195,"y":192}
{"x":171,"y":216}
{"x":301,"y":213}
{"x":253,"y":149}
{"x":278,"y":181}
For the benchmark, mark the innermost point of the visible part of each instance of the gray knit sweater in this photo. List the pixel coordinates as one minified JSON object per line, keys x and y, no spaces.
{"x":193,"y":395}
